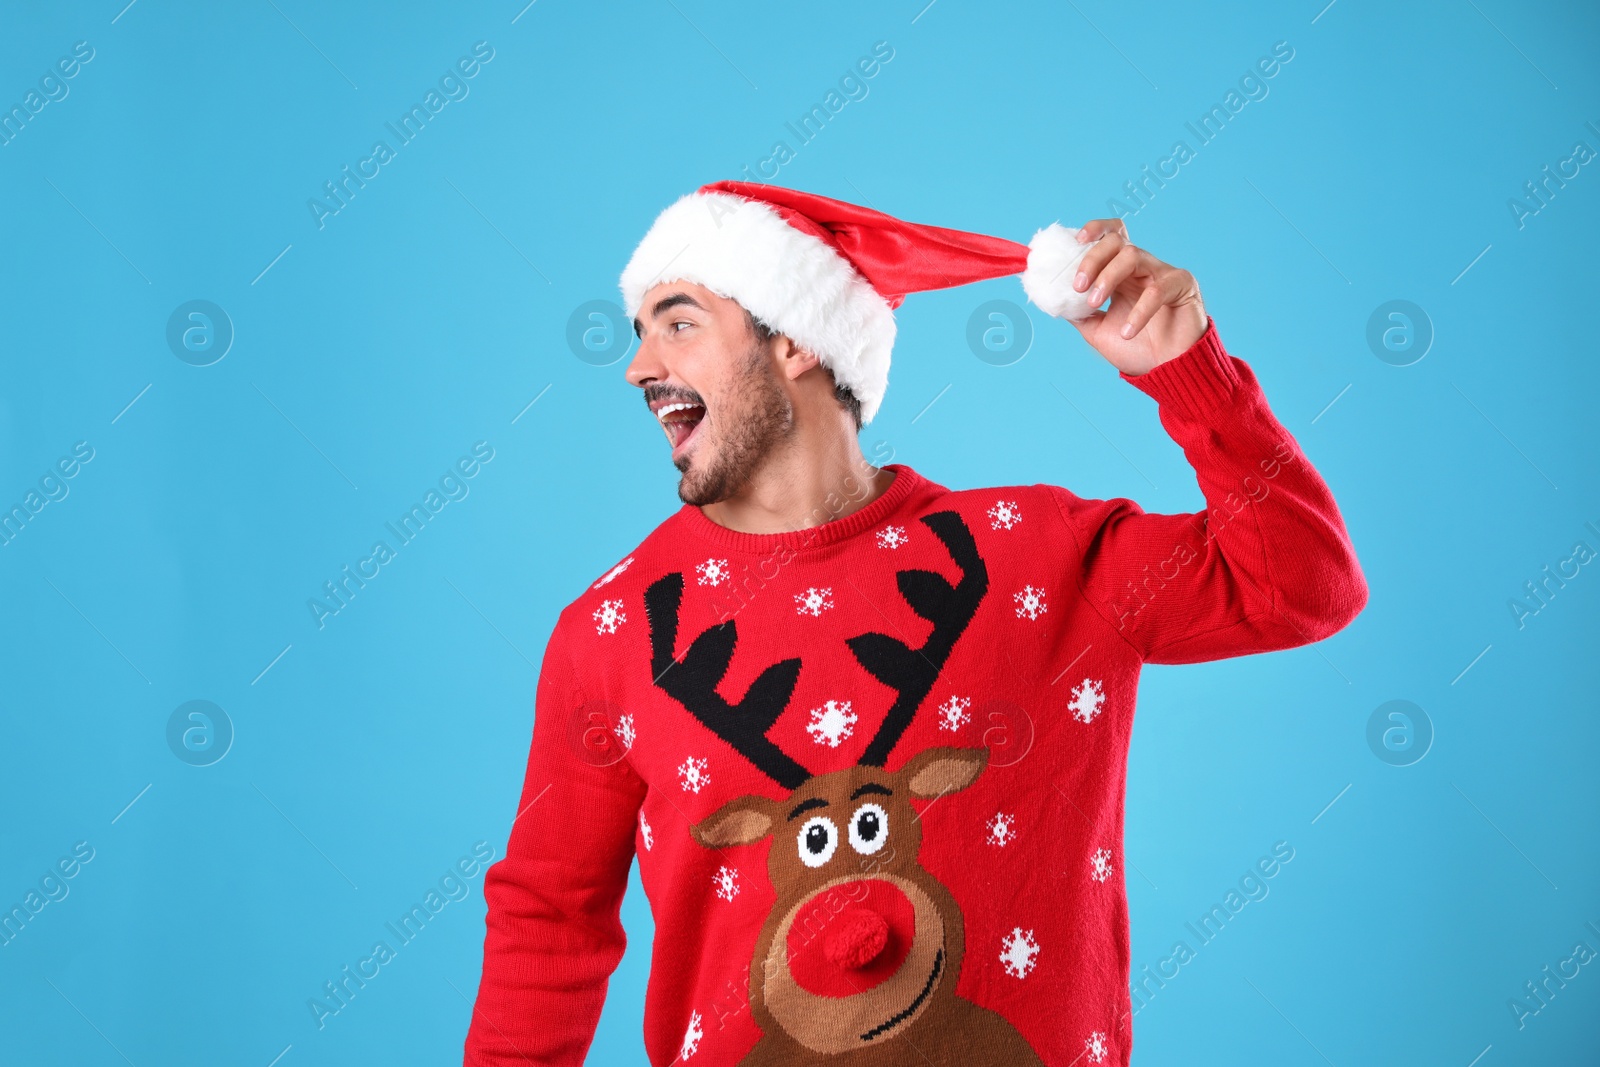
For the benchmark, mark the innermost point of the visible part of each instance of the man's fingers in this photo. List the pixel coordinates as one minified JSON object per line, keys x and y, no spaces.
{"x":1099,"y":227}
{"x":1150,"y":301}
{"x":1124,"y":264}
{"x":1096,"y":258}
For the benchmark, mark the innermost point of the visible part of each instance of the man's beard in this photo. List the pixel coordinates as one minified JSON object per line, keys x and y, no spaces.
{"x":754,"y":417}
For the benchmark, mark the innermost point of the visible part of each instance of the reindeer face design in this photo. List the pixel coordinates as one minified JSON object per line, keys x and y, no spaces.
{"x":863,"y":946}
{"x":861,"y":937}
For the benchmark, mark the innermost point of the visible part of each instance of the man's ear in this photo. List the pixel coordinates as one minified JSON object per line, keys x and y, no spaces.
{"x":793,"y":358}
{"x":934,"y":772}
{"x":743,"y":821}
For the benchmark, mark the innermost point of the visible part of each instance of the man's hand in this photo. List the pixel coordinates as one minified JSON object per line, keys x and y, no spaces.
{"x":1156,"y":312}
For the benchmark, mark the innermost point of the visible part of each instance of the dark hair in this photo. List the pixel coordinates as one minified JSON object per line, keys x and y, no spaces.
{"x":841,"y":393}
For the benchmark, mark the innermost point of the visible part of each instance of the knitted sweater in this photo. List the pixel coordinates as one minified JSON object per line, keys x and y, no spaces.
{"x":873,"y":770}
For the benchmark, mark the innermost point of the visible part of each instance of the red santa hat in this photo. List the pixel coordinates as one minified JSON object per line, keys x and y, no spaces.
{"x":828,"y":274}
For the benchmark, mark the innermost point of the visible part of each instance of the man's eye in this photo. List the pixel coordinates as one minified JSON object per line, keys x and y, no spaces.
{"x":680,"y":322}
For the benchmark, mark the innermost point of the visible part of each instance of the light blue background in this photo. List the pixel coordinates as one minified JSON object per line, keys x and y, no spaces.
{"x":432,"y":309}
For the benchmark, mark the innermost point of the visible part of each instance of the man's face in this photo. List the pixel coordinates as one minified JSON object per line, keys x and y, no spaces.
{"x":712,"y":384}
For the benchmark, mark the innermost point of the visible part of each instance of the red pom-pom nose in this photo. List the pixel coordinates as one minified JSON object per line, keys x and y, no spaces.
{"x":857,"y":938}
{"x":851,"y":937}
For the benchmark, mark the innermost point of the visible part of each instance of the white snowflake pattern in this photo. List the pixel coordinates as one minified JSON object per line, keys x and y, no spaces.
{"x":1100,"y":864}
{"x":814,"y":601}
{"x":624,"y":730}
{"x":1002,"y":829}
{"x":726,"y":881}
{"x":1018,"y":950}
{"x":645,"y":832}
{"x":612,"y":573}
{"x":1088,"y":697}
{"x":1004,"y":515}
{"x":1030,"y":602}
{"x":831,"y":723}
{"x":1095,"y":1047}
{"x":712,"y":571}
{"x":692,"y":774}
{"x":608,"y":616}
{"x":953,"y":713}
{"x":691,"y":1037}
{"x":892,"y":537}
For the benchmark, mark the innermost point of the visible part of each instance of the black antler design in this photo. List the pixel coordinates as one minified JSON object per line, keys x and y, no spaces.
{"x":911,"y":672}
{"x":693,"y":680}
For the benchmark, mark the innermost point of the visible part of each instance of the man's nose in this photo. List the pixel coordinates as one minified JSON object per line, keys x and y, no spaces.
{"x":646,"y":365}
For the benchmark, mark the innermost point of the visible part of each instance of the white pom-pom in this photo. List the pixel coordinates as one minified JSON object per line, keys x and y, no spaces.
{"x":1053,"y":257}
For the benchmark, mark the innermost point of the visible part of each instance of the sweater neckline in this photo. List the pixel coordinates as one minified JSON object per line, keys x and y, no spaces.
{"x":906,"y":481}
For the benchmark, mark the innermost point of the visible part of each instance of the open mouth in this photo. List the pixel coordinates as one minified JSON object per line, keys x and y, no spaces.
{"x":680,"y":420}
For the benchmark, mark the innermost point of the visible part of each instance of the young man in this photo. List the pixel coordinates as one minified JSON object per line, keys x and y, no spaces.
{"x":866,"y":735}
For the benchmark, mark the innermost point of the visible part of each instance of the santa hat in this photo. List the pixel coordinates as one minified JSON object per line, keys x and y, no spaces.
{"x":828,"y":274}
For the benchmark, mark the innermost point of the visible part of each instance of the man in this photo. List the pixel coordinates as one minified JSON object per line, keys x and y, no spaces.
{"x":866,"y":735}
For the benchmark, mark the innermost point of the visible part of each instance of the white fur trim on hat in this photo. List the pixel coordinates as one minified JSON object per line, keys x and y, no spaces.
{"x":1053,"y":257}
{"x":792,"y":281}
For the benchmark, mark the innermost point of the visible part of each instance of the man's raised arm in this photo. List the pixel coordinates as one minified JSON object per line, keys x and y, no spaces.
{"x":1268,"y":563}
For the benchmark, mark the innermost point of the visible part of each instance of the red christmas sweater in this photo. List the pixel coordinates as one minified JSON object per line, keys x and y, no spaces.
{"x":873,"y":770}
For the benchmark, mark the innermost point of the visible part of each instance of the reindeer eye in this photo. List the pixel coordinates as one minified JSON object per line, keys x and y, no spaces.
{"x":818,"y":839}
{"x":869,"y":829}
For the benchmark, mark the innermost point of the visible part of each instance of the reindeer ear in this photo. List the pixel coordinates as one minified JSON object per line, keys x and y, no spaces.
{"x":934,"y":772}
{"x":738,"y":822}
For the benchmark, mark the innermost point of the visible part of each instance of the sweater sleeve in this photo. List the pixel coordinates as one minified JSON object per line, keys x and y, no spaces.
{"x":554,"y":935}
{"x":1266,"y":565}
